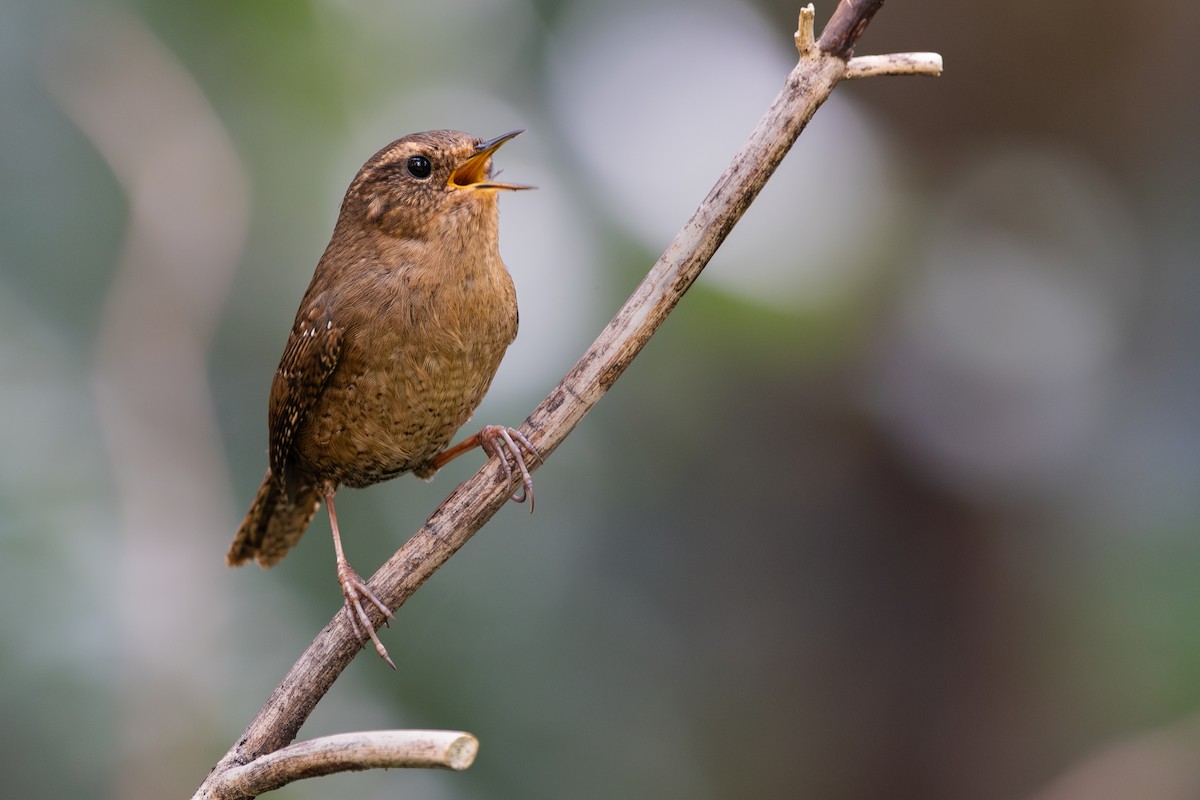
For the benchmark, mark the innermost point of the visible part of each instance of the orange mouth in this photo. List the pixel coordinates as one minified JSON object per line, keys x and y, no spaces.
{"x":474,"y":173}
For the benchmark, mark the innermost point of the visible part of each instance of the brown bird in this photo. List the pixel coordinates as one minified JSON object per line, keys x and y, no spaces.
{"x":395,"y":344}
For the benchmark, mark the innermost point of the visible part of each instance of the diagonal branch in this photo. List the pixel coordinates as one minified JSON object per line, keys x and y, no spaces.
{"x":822,"y":64}
{"x":848,"y":22}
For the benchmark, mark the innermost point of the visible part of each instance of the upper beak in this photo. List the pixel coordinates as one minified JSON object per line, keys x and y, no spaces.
{"x":473,"y":173}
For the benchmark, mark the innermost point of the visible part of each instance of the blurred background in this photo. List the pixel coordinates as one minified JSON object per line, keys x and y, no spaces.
{"x":902,"y":502}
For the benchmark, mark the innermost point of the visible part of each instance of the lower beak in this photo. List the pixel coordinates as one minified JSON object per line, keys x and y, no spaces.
{"x":473,"y":173}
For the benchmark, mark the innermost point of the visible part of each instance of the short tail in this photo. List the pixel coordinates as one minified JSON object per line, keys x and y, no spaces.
{"x":273,"y":525}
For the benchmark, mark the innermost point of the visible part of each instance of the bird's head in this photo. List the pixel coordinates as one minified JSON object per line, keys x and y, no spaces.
{"x":419,"y":184}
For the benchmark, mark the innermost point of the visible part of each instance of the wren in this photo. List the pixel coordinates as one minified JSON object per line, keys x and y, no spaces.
{"x":396,"y":342}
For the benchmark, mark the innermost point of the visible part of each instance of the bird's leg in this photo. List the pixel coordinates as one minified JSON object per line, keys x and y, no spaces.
{"x":353,"y":586}
{"x":502,"y":443}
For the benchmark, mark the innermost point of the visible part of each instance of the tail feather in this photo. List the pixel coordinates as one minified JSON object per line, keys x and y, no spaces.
{"x":274,"y":523}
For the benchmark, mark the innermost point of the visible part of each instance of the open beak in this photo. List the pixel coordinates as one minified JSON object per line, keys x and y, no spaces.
{"x":474,"y":173}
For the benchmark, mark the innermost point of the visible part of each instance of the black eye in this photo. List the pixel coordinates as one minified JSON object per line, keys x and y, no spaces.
{"x":419,"y":166}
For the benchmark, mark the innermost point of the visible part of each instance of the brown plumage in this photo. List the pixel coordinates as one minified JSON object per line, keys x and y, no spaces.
{"x":396,"y":341}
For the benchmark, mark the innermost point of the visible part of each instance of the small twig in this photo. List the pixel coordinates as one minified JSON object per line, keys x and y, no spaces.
{"x":806,"y":40}
{"x":822,"y":64}
{"x":894,"y":64}
{"x":346,"y":752}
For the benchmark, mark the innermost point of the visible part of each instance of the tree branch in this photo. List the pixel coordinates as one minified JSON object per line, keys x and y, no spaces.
{"x":848,"y":22}
{"x":350,"y":752}
{"x":822,"y":64}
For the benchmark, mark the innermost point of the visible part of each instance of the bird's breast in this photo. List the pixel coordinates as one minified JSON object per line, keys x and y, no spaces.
{"x":413,"y":369}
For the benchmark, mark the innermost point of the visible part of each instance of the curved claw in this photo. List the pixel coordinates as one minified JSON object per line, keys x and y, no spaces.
{"x":504,"y":443}
{"x":352,"y":587}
